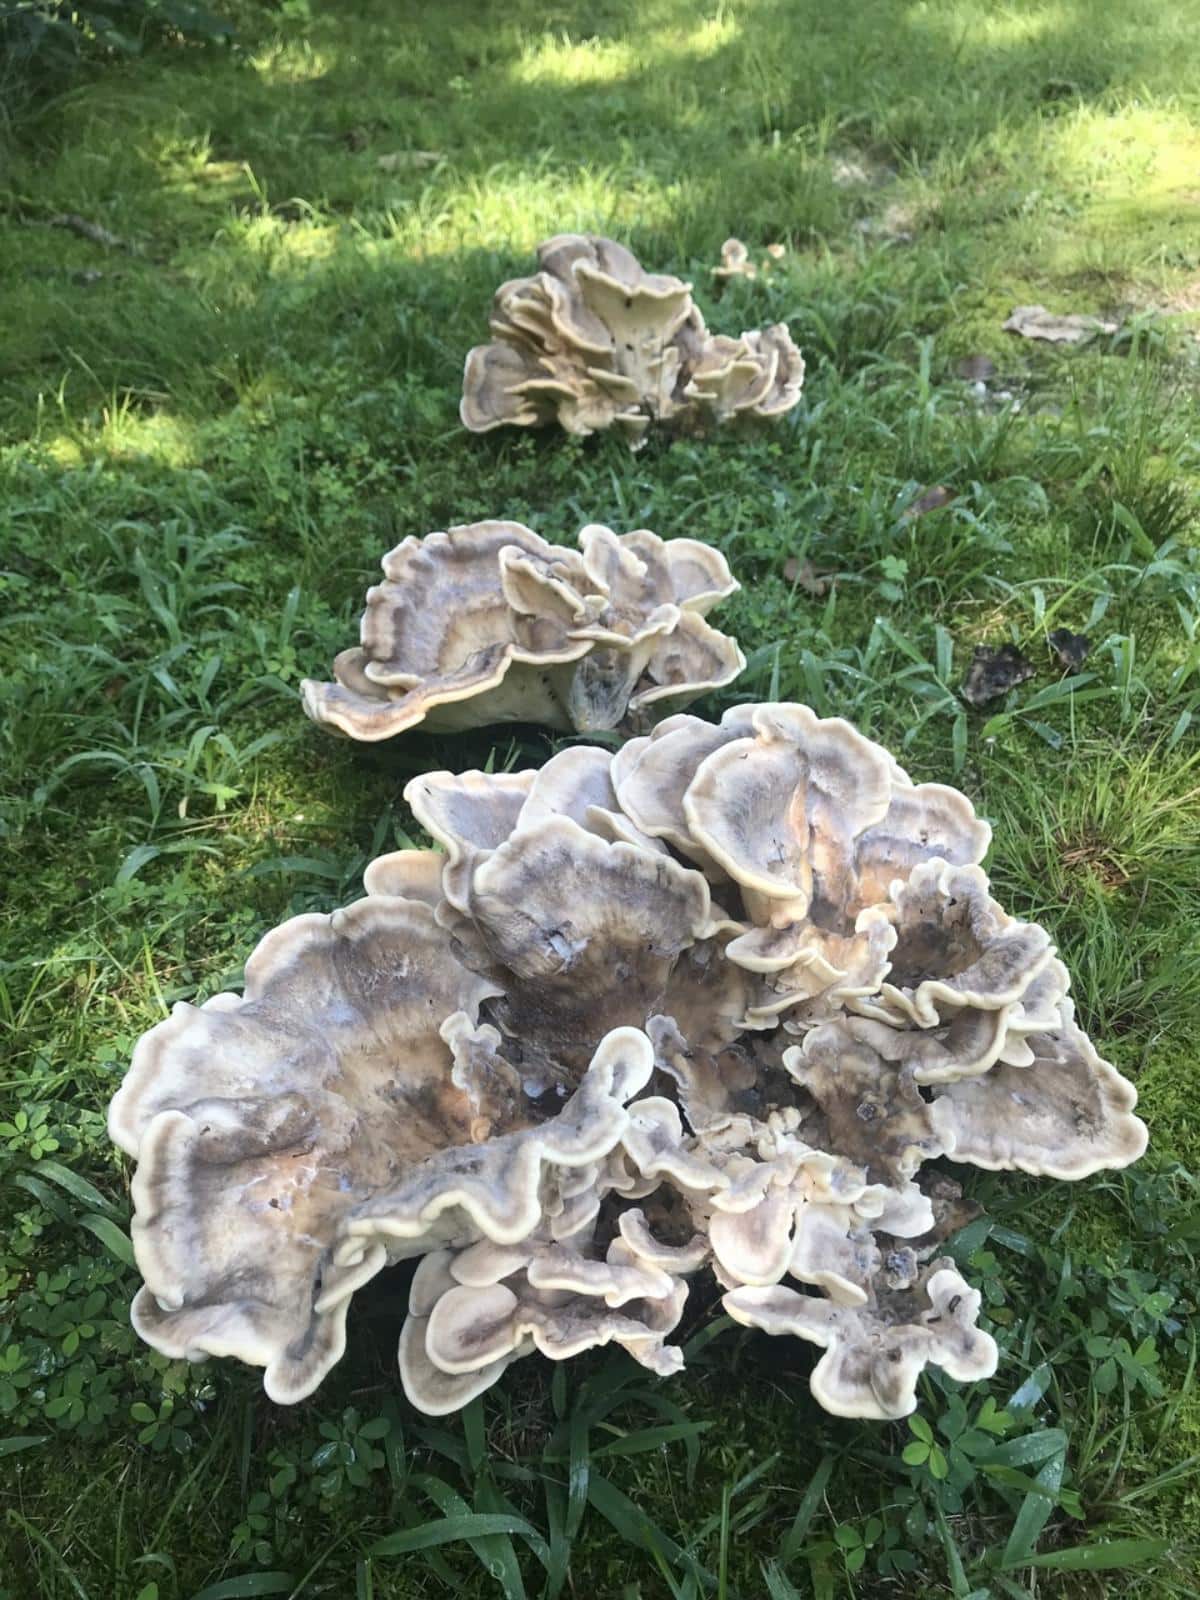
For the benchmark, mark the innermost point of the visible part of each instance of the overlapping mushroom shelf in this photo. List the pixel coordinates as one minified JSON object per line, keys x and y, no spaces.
{"x":592,"y":341}
{"x":490,"y":623}
{"x":715,"y":1002}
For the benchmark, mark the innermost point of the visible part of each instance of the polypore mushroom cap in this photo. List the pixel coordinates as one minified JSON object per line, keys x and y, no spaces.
{"x":874,"y":1355}
{"x":470,"y":814}
{"x":678,"y":1260}
{"x":775,"y":347}
{"x":710,"y":1082}
{"x":571,"y":783}
{"x":442,"y":621}
{"x":834,"y":1250}
{"x":755,"y":1246}
{"x":494,"y":380}
{"x":638,"y":570}
{"x":353,"y":1107}
{"x":652,"y":783}
{"x":594,"y":341}
{"x":407,"y":875}
{"x":489,"y":622}
{"x":429,"y":1388}
{"x":814,"y":972}
{"x":1067,"y":1115}
{"x":495,"y":1189}
{"x":732,"y":376}
{"x":871,"y":1111}
{"x":470,"y":1328}
{"x":780,"y":810}
{"x":923,"y":821}
{"x":259,"y":1123}
{"x":686,"y":662}
{"x":955,"y":949}
{"x":441,"y":630}
{"x":588,"y":930}
{"x":735,"y":261}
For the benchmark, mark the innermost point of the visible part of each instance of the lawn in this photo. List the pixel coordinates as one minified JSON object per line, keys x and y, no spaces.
{"x":212,"y":429}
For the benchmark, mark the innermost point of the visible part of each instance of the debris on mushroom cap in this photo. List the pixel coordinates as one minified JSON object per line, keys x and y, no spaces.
{"x":490,"y":623}
{"x":591,"y":341}
{"x":714,"y":1001}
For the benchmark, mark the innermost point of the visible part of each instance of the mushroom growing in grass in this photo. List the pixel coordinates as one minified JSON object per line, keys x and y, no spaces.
{"x":735,"y":998}
{"x":489,"y":623}
{"x":592,"y":341}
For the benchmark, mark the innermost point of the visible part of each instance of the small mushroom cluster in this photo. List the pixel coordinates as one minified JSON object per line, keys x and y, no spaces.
{"x":489,"y":623}
{"x":714,"y":1001}
{"x":592,"y":341}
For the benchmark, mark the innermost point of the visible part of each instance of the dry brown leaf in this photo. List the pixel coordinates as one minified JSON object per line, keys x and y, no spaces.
{"x":1035,"y":322}
{"x":993,"y":673}
{"x":1072,"y":649}
{"x":931,"y":499}
{"x":976,"y":369}
{"x":812,"y":581}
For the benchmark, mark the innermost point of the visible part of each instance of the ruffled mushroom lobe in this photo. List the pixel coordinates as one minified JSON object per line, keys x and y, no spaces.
{"x":259,"y":1124}
{"x":874,"y":1355}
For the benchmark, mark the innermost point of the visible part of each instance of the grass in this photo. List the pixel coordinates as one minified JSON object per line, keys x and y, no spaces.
{"x":210,"y":436}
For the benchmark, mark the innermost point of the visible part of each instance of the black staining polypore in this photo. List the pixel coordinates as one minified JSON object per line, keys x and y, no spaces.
{"x":611,"y":1037}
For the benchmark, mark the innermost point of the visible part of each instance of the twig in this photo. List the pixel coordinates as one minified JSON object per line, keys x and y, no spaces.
{"x":87,"y":230}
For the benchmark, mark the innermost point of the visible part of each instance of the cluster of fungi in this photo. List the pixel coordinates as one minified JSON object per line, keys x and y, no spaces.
{"x":591,"y":341}
{"x":726,"y":997}
{"x":714,"y":1001}
{"x":489,"y":623}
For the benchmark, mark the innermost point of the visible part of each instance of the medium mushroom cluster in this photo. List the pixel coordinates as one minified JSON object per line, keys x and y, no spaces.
{"x":489,"y":623}
{"x":592,"y":341}
{"x":715,"y":1001}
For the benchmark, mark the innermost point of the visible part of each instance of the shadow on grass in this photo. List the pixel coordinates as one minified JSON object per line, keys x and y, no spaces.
{"x":270,"y":245}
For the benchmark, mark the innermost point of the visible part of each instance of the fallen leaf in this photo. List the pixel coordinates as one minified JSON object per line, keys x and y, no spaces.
{"x":976,"y":369}
{"x":1072,"y":649}
{"x":1035,"y":322}
{"x":993,"y":673}
{"x":355,"y":138}
{"x":806,"y":575}
{"x":401,"y":160}
{"x":932,"y":499}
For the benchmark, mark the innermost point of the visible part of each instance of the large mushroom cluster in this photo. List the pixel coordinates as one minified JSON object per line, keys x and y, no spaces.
{"x":489,"y":623}
{"x":592,"y":341}
{"x":716,"y":1001}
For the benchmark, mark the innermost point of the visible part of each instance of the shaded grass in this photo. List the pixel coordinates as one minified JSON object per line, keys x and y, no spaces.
{"x":208,"y":448}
